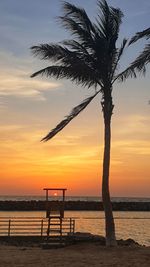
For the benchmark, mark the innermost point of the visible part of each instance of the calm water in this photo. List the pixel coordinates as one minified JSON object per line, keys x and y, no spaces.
{"x":135,"y":225}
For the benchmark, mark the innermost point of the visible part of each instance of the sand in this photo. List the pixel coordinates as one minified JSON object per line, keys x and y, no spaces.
{"x":77,"y":255}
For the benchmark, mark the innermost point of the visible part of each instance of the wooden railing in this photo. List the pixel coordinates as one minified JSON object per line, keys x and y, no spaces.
{"x":31,"y":226}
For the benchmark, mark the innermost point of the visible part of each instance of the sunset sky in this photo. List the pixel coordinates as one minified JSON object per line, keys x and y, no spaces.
{"x":29,"y":108}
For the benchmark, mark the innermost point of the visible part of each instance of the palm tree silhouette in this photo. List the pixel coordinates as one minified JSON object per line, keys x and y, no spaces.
{"x":90,"y":59}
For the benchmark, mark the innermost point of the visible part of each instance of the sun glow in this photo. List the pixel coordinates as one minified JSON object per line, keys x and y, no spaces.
{"x":74,"y":160}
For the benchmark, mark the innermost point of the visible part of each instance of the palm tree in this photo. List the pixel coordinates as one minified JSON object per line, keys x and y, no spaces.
{"x":140,"y":63}
{"x":90,"y":59}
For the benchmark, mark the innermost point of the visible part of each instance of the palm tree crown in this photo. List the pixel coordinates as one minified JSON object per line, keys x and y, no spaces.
{"x":87,"y":59}
{"x":91,"y":58}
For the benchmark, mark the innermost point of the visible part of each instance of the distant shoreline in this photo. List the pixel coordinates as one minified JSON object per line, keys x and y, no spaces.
{"x":38,"y":205}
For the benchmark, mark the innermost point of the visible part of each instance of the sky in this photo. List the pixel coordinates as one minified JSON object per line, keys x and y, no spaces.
{"x":29,"y":108}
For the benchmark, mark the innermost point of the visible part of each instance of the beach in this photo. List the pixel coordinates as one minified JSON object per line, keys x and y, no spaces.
{"x":77,"y":255}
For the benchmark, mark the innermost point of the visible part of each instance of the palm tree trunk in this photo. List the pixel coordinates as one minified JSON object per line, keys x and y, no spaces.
{"x":109,"y":220}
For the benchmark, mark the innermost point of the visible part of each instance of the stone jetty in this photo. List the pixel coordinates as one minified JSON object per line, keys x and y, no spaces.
{"x":34,"y":205}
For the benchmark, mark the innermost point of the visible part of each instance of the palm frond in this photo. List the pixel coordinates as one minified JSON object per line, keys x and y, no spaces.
{"x":128,"y":72}
{"x":75,"y":111}
{"x":76,"y":46}
{"x":109,"y":21}
{"x":144,"y":58}
{"x":76,"y":29}
{"x":52,"y":51}
{"x":121,"y":50}
{"x":62,"y":55}
{"x":81,"y":74}
{"x":118,"y":55}
{"x":81,"y":52}
{"x":139,"y":35}
{"x":139,"y":65}
{"x":80,"y":16}
{"x":77,"y":21}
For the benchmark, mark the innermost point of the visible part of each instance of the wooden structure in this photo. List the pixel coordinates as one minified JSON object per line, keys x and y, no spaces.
{"x":55,"y":213}
{"x":32,"y":226}
{"x":55,"y":230}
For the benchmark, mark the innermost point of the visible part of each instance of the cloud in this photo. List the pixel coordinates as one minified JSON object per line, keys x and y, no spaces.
{"x":15,"y":79}
{"x":133,"y":126}
{"x":131,"y":147}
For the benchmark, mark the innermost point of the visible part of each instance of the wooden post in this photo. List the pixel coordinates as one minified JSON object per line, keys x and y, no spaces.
{"x":48,"y":228}
{"x":73,"y":226}
{"x":42,"y":227}
{"x":9,"y":222}
{"x":47,"y":198}
{"x":70,"y":224}
{"x":63,"y":195}
{"x":46,"y":194}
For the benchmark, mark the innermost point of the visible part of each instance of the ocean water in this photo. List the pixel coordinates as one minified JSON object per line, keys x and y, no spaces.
{"x":135,"y":225}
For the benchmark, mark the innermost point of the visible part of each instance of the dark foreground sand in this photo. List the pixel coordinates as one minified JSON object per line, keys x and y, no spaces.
{"x":78,"y":255}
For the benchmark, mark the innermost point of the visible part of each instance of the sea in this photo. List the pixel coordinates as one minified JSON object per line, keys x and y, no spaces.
{"x":135,"y":225}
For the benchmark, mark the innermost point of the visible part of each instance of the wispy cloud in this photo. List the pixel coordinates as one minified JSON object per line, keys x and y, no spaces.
{"x":135,"y":126}
{"x":132,"y":147}
{"x":15,"y":80}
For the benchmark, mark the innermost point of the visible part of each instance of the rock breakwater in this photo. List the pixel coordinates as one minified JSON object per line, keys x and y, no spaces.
{"x":34,"y":205}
